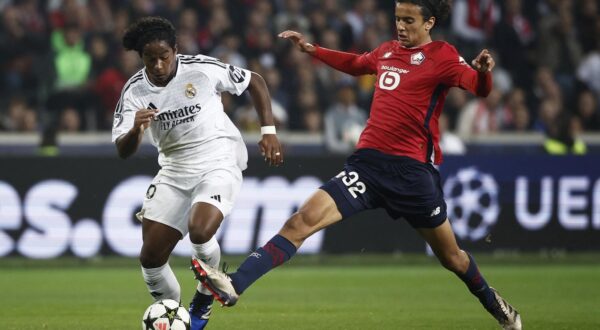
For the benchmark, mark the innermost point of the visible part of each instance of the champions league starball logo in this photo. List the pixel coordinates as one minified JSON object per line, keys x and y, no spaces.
{"x":472,"y":201}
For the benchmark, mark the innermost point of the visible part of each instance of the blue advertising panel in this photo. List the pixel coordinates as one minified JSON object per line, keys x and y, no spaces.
{"x":85,"y":206}
{"x":524,"y":202}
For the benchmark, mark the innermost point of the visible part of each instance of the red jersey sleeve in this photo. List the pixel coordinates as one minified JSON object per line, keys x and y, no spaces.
{"x":457,"y":73}
{"x":353,"y":64}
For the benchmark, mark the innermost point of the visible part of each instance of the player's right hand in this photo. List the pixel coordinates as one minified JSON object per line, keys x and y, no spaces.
{"x":298,"y":39}
{"x":484,"y":62}
{"x":143,"y":118}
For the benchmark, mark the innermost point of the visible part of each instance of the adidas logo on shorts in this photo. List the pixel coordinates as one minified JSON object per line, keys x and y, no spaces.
{"x":216,"y":197}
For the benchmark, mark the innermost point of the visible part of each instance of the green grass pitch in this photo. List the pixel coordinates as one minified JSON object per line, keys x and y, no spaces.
{"x":325,"y":292}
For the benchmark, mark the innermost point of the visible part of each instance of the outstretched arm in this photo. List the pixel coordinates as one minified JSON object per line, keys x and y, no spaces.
{"x":269,"y":144}
{"x":346,"y":62}
{"x":480,"y":82}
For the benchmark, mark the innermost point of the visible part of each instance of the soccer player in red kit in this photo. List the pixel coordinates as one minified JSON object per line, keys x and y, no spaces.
{"x":393,"y":166}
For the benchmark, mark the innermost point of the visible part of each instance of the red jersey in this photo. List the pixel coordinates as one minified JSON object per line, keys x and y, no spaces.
{"x":410,"y":91}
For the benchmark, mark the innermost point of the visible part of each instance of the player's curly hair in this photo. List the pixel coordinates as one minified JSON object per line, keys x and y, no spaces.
{"x":440,"y":9}
{"x":146,"y":30}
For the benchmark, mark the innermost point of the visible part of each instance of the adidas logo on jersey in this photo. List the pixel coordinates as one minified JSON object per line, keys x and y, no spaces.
{"x":217,"y":198}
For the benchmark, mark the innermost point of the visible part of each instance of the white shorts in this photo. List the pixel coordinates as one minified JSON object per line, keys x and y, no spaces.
{"x":169,"y":200}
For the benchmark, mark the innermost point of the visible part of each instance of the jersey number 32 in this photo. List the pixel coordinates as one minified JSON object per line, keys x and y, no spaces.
{"x":351,"y":181}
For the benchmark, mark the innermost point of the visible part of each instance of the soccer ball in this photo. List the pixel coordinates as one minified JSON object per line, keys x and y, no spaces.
{"x":166,"y":314}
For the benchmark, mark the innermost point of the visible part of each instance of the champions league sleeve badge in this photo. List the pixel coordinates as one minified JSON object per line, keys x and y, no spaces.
{"x":118,"y":120}
{"x":417,"y":58}
{"x":190,"y":91}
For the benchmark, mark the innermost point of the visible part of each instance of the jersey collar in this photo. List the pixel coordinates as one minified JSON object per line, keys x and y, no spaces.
{"x":415,"y":47}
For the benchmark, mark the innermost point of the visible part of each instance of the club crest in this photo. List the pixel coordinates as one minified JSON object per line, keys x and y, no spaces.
{"x":190,"y":91}
{"x":417,"y":58}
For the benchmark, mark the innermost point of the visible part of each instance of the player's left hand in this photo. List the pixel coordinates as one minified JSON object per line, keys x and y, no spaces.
{"x":271,"y":149}
{"x":484,"y":62}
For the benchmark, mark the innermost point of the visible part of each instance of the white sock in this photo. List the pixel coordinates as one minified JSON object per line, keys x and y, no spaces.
{"x":162,"y":283}
{"x":209,"y":252}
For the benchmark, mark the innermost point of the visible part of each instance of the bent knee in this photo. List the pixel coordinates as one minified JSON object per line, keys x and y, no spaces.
{"x":456,"y":262}
{"x":152,"y":260}
{"x":200,"y":232}
{"x":300,"y":224}
{"x":200,"y":236}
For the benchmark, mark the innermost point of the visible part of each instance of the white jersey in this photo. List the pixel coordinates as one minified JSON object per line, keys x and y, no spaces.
{"x":191,"y":131}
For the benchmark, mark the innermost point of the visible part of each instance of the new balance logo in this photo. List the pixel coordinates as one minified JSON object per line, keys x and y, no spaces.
{"x":217,"y":198}
{"x":435,"y":212}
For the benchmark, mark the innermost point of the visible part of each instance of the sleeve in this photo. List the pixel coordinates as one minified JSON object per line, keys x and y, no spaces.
{"x":456,"y":72}
{"x":452,"y":66}
{"x":370,"y":58}
{"x":123,"y":117}
{"x":353,"y":64}
{"x":227,"y":77}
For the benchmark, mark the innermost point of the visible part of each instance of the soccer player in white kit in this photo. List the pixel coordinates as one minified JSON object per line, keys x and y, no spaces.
{"x":177,"y":100}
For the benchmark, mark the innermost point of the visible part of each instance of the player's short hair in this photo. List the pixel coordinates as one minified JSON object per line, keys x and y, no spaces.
{"x":146,"y":30}
{"x":440,"y":9}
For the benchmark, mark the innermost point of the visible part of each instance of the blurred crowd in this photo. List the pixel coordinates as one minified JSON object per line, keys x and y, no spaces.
{"x":62,"y":65}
